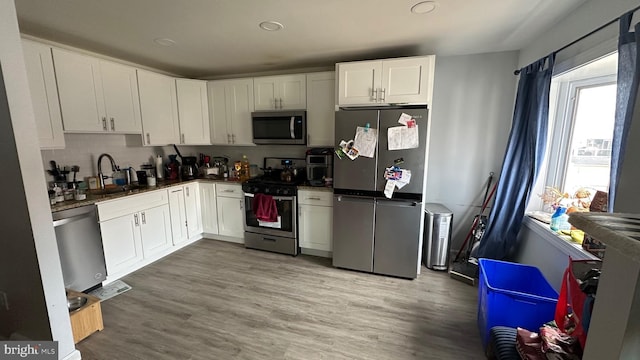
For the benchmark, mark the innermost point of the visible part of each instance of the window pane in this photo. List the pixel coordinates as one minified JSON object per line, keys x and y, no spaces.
{"x":590,"y":152}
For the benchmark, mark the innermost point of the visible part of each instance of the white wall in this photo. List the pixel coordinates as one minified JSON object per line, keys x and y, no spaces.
{"x":588,"y":17}
{"x":35,"y":198}
{"x":472,"y":111}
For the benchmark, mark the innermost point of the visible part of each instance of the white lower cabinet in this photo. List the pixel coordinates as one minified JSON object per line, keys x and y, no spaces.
{"x":178,"y":215}
{"x":122,"y":243}
{"x":192,"y":209}
{"x":155,"y":230}
{"x":230,"y":201}
{"x":184,"y":204}
{"x":136,"y":230}
{"x":315,"y":221}
{"x":209,"y":208}
{"x":130,"y":239}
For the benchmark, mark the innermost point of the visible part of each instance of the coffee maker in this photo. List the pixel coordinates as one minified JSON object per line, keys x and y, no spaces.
{"x":189,"y":168}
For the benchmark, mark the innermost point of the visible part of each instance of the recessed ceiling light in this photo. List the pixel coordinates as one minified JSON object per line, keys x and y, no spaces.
{"x":423,"y":7}
{"x":164,"y":41}
{"x":270,"y":25}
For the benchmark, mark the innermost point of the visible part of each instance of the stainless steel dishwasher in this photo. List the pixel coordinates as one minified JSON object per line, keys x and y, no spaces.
{"x":80,"y":247}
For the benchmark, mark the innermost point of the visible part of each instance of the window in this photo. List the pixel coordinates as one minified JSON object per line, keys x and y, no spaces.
{"x":581,"y":118}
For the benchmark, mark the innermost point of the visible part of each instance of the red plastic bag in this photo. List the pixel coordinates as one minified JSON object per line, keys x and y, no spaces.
{"x":571,"y":301}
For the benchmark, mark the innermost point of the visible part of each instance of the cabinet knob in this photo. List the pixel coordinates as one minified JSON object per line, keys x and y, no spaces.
{"x":148,"y":139}
{"x":280,"y":103}
{"x":104,"y":123}
{"x":135,"y":219}
{"x":382,"y":92}
{"x":228,"y":138}
{"x":113,"y":125}
{"x":144,"y":219}
{"x":233,"y":138}
{"x":374,"y":95}
{"x":182,"y":138}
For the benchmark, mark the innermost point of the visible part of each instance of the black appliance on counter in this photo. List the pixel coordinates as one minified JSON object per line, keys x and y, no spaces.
{"x":319,"y":165}
{"x":280,"y":180}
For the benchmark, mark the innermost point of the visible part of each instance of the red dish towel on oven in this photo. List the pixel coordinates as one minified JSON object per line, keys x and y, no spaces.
{"x":264,"y":208}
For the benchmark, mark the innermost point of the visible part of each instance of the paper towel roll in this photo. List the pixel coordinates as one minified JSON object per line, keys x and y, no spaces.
{"x":159,"y":167}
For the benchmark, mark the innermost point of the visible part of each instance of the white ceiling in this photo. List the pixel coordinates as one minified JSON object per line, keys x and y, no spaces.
{"x":221,"y":37}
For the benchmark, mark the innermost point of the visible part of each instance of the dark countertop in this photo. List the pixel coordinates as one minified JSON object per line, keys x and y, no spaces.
{"x":94,"y":196}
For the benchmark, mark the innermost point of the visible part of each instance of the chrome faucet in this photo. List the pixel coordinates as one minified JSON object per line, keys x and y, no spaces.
{"x":101,"y":176}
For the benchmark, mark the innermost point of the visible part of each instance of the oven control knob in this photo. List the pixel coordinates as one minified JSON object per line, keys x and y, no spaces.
{"x":278,"y":191}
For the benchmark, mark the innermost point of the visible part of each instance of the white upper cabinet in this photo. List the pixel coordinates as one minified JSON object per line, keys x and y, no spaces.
{"x":280,"y":92}
{"x":122,"y":104}
{"x":96,"y":95}
{"x":321,"y":95}
{"x":391,"y":81}
{"x":230,"y":107}
{"x":44,"y":94}
{"x":193,"y":111}
{"x":158,"y":104}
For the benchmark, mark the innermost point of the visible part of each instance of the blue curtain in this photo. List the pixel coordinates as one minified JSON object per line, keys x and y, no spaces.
{"x":522,"y":160}
{"x":625,"y":99}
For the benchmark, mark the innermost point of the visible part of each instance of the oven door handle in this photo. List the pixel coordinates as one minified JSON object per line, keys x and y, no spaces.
{"x":292,"y":127}
{"x":274,"y":197}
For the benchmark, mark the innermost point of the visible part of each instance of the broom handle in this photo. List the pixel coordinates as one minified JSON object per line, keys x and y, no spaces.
{"x":487,"y":199}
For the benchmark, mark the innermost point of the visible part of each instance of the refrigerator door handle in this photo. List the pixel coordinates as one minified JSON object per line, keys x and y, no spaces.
{"x":341,"y":198}
{"x":399,"y":203}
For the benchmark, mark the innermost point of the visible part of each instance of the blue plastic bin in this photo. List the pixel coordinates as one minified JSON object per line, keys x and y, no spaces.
{"x":512,"y":294}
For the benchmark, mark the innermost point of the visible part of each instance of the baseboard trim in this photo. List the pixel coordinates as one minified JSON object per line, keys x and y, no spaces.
{"x":74,"y":355}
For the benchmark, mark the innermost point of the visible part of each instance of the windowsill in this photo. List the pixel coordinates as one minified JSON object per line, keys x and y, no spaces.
{"x":546,"y":234}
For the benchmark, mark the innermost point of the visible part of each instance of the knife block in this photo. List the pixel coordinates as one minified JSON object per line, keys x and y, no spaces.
{"x":87,"y":319}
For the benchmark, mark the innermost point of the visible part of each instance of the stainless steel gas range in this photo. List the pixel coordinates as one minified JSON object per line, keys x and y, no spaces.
{"x":274,"y":195}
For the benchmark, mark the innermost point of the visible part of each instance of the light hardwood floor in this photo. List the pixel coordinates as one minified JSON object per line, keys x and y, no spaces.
{"x":217,"y":300}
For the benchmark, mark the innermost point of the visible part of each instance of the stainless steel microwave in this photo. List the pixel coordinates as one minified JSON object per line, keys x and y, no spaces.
{"x":279,"y":127}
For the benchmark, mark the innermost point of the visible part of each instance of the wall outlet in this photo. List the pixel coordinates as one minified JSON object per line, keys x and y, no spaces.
{"x":4,"y":301}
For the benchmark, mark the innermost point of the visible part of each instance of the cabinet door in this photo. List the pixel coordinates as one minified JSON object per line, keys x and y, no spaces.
{"x":44,"y":94}
{"x":120,"y":88}
{"x":209,"y":208}
{"x":193,"y":111}
{"x":230,"y":217}
{"x":178,"y":215}
{"x":320,"y":108}
{"x":292,"y":91}
{"x":158,"y":105}
{"x":220,"y":114}
{"x":80,"y":92}
{"x":121,"y":243}
{"x":316,"y":226}
{"x":192,"y":209}
{"x":358,"y":82}
{"x":155,"y":229}
{"x":241,"y":105}
{"x":280,"y":92}
{"x":407,"y":80}
{"x":265,"y":93}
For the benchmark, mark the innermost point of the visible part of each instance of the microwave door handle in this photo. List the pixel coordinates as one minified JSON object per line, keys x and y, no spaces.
{"x":291,"y":127}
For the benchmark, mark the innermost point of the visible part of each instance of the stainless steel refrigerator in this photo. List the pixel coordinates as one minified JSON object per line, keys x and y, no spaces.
{"x":370,"y":232}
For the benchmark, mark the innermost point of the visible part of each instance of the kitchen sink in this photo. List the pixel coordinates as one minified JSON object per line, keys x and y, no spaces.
{"x":115,"y":190}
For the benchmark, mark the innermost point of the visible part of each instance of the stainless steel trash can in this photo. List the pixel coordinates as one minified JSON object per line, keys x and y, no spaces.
{"x":437,"y":236}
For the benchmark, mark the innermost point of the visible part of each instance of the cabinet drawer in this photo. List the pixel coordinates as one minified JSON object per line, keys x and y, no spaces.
{"x":310,"y":197}
{"x":130,"y":204}
{"x":229,"y":190}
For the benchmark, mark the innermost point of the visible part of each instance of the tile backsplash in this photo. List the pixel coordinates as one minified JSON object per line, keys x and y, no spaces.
{"x":127,"y":150}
